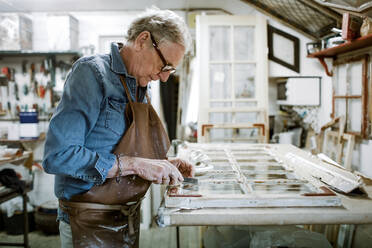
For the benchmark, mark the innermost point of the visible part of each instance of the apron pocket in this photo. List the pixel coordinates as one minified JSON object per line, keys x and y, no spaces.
{"x":90,"y":227}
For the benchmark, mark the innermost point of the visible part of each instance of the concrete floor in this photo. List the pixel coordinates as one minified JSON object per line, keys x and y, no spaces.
{"x":153,"y":237}
{"x":190,"y":237}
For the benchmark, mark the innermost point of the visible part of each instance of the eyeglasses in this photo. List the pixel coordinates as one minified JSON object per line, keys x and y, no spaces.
{"x":167,"y":67}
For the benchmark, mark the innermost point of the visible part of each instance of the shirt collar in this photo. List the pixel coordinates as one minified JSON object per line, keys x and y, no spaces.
{"x":117,"y":64}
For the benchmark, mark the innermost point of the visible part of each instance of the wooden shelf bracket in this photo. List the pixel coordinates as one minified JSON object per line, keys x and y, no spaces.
{"x":324,"y":64}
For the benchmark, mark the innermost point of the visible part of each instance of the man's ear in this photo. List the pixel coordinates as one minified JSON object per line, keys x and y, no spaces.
{"x":141,"y":41}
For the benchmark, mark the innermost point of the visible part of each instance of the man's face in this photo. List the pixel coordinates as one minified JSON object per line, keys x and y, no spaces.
{"x":151,"y":64}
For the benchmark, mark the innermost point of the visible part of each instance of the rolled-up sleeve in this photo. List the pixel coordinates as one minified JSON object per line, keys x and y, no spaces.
{"x":65,"y":151}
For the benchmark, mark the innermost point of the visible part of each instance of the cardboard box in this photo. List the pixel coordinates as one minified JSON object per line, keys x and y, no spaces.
{"x":15,"y":32}
{"x":63,"y":32}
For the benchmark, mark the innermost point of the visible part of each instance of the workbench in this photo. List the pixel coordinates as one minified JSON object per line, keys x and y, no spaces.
{"x":351,"y":208}
{"x":354,"y":210}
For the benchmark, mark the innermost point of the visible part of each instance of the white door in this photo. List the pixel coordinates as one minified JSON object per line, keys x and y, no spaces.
{"x":232,"y":53}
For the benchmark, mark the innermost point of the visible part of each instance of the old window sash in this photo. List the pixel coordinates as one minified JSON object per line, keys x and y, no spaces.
{"x":233,"y":74}
{"x":258,"y":175}
{"x":339,"y":147}
{"x":350,"y":94}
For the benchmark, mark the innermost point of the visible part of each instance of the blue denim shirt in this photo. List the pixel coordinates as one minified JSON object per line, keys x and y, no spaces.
{"x":87,"y":125}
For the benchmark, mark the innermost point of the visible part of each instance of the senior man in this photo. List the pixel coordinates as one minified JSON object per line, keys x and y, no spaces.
{"x":105,"y":142}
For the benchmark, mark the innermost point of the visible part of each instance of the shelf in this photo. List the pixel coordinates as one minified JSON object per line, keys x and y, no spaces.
{"x":359,"y":43}
{"x":17,"y":119}
{"x":16,"y":160}
{"x":362,"y":42}
{"x":27,"y":144}
{"x":7,"y":193}
{"x":30,"y":53}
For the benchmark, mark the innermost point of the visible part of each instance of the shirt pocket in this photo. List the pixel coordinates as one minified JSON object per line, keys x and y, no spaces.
{"x":115,"y":121}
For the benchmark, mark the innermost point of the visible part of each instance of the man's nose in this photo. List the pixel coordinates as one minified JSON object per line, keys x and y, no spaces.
{"x":164,"y":76}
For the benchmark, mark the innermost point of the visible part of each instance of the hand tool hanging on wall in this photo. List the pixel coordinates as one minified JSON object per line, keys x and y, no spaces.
{"x":6,"y":71}
{"x":10,"y":109}
{"x":35,"y":87}
{"x":12,"y":72}
{"x":2,"y":111}
{"x":16,"y":91}
{"x":18,"y":110}
{"x":25,"y":90}
{"x":53,"y":70}
{"x":36,"y":107}
{"x":41,"y":91}
{"x":4,"y":82}
{"x":24,"y":67}
{"x":32,"y":72}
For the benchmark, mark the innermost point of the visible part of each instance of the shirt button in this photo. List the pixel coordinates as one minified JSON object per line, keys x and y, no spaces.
{"x":103,"y":170}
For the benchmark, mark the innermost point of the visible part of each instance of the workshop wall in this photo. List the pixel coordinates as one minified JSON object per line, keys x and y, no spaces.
{"x":97,"y":29}
{"x":308,"y":67}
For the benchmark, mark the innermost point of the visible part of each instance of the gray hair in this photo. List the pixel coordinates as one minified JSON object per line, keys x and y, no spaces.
{"x":164,"y":25}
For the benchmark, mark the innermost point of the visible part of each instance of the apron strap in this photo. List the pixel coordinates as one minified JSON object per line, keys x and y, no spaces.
{"x":129,"y":95}
{"x":148,"y":99}
{"x":126,"y":88}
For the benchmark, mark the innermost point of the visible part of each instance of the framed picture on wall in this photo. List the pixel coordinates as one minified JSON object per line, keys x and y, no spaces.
{"x":284,"y":48}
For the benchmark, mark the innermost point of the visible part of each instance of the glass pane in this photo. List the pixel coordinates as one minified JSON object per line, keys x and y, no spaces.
{"x":355,"y":115}
{"x":220,"y":104}
{"x":247,"y":133}
{"x":207,"y":188}
{"x":246,"y":104}
{"x":340,"y":81}
{"x":261,"y":167}
{"x":287,"y":55}
{"x":219,"y":43}
{"x":219,"y":118}
{"x":356,"y":78}
{"x":264,"y":176}
{"x":244,"y":50}
{"x":245,"y":117}
{"x":220,"y":78}
{"x":220,"y":135}
{"x":281,"y":189}
{"x":219,"y":175}
{"x":340,"y":107}
{"x":245,"y":80}
{"x":221,"y":166}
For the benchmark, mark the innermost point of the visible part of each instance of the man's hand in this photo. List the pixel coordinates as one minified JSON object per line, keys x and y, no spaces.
{"x":186,"y":169}
{"x":154,"y":170}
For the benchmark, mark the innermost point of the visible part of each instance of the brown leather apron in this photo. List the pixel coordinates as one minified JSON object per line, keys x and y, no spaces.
{"x":109,"y":215}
